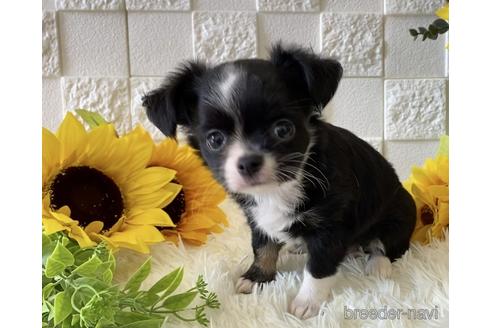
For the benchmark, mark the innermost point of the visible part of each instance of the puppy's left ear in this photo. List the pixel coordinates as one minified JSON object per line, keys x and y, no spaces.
{"x":304,"y":70}
{"x":176,"y":100}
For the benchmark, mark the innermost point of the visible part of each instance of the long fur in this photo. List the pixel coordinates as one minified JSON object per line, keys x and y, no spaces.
{"x":331,"y":190}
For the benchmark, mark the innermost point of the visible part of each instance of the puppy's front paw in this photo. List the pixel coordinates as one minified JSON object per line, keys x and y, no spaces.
{"x":304,"y":308}
{"x":379,"y":266}
{"x":244,"y":286}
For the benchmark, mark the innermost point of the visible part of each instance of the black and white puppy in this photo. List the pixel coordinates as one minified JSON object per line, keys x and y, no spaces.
{"x":298,"y":179}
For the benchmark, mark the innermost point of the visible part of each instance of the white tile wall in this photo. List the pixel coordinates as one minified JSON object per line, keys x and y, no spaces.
{"x":221,"y":36}
{"x":375,"y":6}
{"x":356,"y":40}
{"x":51,"y":57}
{"x":163,"y":34}
{"x":165,"y":5}
{"x":411,"y":7}
{"x":298,"y":28}
{"x":93,"y":43}
{"x":416,"y":58}
{"x":357,"y":107}
{"x":288,"y":5}
{"x":406,"y":154}
{"x":108,"y":96}
{"x":105,"y":54}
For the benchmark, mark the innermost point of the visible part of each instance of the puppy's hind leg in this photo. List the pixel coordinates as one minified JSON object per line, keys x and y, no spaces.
{"x":394,"y":234}
{"x":378,"y":265}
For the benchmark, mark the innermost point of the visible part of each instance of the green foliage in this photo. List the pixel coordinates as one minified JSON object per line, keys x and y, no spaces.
{"x":92,"y":119}
{"x":439,"y":26}
{"x":78,"y":291}
{"x":443,"y":146}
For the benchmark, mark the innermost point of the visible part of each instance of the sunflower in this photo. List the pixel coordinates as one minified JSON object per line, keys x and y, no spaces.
{"x":195,"y":210}
{"x":97,"y":186}
{"x":443,"y":12}
{"x":429,"y":186}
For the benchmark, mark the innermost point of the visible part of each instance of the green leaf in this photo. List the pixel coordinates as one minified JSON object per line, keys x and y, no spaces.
{"x":433,"y":29}
{"x":422,"y":30}
{"x":163,"y":283}
{"x":82,"y":255}
{"x":51,"y":310}
{"x":105,"y":323}
{"x":441,"y":25}
{"x":433,"y":36}
{"x":179,"y":301}
{"x":95,"y":283}
{"x":177,"y":280}
{"x":152,"y":323}
{"x":413,"y":32}
{"x":138,"y":277}
{"x":67,"y":323}
{"x":88,"y":268}
{"x":47,"y":248}
{"x":63,"y":306}
{"x":44,"y":308}
{"x":124,"y":317}
{"x":47,"y":290}
{"x":149,"y":299}
{"x":443,"y":146}
{"x":93,"y":119}
{"x":107,"y":276}
{"x":58,"y":261}
{"x":75,"y":319}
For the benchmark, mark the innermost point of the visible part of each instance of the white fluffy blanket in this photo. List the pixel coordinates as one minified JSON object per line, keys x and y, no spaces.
{"x":419,"y":282}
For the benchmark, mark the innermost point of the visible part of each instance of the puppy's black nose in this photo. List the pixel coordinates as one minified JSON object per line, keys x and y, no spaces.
{"x":248,"y":165}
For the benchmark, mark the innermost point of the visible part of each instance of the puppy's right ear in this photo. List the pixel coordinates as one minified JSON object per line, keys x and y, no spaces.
{"x":176,"y":100}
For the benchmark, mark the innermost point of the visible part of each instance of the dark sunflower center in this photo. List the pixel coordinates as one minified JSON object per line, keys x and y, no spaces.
{"x":177,"y":207}
{"x":90,"y":194}
{"x":426,"y":215}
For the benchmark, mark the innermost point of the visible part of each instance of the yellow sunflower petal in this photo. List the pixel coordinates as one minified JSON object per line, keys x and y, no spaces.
{"x":99,"y":238}
{"x":173,"y":189}
{"x":422,"y":234}
{"x":51,"y":226}
{"x":100,"y":145}
{"x":420,"y":177}
{"x":51,"y":155}
{"x":443,"y":12}
{"x":116,"y":227}
{"x":171,"y":236}
{"x":64,"y":218}
{"x":443,"y":213}
{"x":80,"y":236}
{"x":65,"y":210}
{"x":141,"y":145}
{"x":71,"y":134}
{"x":194,"y":237}
{"x":422,"y":196}
{"x":137,"y":237}
{"x":215,"y":229}
{"x":439,"y":191}
{"x":137,"y":246}
{"x":152,"y":200}
{"x":134,"y":233}
{"x":154,"y":216}
{"x":94,"y":227}
{"x":149,"y":180}
{"x":199,"y":221}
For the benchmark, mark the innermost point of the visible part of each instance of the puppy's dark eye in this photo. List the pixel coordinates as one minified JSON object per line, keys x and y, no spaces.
{"x":283,"y":129}
{"x":215,"y":140}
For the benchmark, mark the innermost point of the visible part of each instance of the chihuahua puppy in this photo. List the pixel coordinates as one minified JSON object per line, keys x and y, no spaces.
{"x":257,"y":124}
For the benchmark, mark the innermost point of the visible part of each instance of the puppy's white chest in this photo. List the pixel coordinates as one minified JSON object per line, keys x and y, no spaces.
{"x":274,"y":212}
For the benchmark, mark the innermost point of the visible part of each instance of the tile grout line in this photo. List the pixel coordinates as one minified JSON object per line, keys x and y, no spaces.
{"x":128,"y":79}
